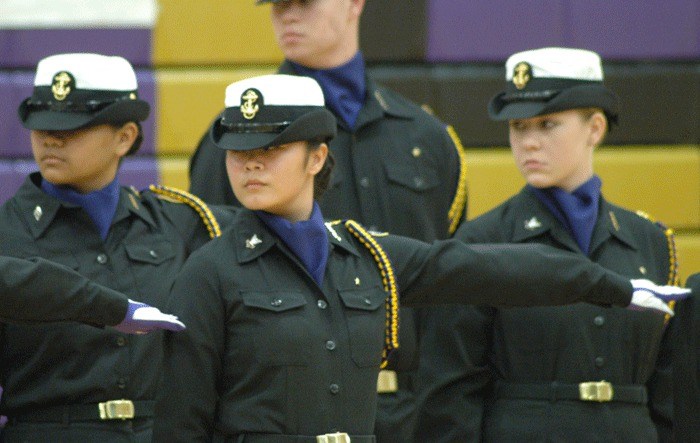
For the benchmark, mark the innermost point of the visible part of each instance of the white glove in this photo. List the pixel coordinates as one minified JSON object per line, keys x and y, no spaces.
{"x":648,"y":295}
{"x":142,"y":318}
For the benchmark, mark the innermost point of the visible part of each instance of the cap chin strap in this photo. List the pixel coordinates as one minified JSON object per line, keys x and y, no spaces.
{"x":254,"y":128}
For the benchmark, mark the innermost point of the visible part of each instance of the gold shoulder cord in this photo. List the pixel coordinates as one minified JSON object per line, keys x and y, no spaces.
{"x":391,"y":331}
{"x":673,"y":278}
{"x":194,"y":202}
{"x":460,"y":201}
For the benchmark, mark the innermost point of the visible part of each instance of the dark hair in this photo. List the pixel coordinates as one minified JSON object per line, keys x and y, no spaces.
{"x":323,"y":178}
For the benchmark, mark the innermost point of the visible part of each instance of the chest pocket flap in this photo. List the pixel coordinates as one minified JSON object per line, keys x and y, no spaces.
{"x":363,"y":299}
{"x":273,"y":301}
{"x":153,"y":253}
{"x":412,"y":177}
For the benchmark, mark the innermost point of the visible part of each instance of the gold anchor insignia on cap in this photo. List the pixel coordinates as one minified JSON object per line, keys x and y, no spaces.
{"x":252,"y":242}
{"x":521,"y":74}
{"x":38,"y":212}
{"x":248,"y":106}
{"x":61,"y":85}
{"x":532,"y":224}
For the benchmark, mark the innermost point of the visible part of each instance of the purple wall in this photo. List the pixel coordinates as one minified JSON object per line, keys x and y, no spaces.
{"x":461,"y":30}
{"x":22,"y":48}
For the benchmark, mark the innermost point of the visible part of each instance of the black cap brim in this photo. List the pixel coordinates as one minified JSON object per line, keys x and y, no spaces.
{"x":315,"y":125}
{"x":584,"y":96}
{"x":47,"y":120}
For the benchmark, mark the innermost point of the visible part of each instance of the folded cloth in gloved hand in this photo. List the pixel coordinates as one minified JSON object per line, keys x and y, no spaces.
{"x":142,"y":318}
{"x":648,"y":295}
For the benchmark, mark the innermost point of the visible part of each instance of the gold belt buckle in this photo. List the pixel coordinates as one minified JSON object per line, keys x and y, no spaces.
{"x":337,"y":437}
{"x":116,"y":410}
{"x":600,"y":391}
{"x":387,"y":382}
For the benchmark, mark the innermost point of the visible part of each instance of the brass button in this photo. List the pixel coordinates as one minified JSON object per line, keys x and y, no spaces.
{"x":153,"y":253}
{"x":368,"y":302}
{"x":276,"y":302}
{"x":334,"y":388}
{"x":121,"y":341}
{"x":330,"y":345}
{"x":121,"y":383}
{"x":102,"y":259}
{"x":599,"y":320}
{"x":599,"y":362}
{"x":364,"y":182}
{"x":322,"y":304}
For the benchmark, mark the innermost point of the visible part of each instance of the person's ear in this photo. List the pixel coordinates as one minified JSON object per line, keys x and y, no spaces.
{"x":318,"y":158}
{"x":125,"y":137}
{"x":598,"y":125}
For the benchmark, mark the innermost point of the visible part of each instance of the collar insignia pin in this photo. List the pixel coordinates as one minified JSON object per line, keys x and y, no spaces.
{"x":252,"y":242}
{"x":332,"y":231}
{"x":532,"y":224}
{"x":38,"y":213}
{"x":357,"y":281}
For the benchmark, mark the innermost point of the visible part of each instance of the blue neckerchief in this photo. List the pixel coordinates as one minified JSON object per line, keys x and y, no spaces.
{"x":100,"y":205}
{"x":343,"y":87}
{"x":307,"y":239}
{"x":577,"y":211}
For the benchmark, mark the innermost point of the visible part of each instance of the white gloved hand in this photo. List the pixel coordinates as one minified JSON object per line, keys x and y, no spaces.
{"x":648,"y":295}
{"x":142,"y":318}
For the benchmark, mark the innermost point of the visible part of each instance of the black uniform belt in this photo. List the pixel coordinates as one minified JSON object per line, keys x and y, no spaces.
{"x":108,"y":410}
{"x":282,"y":438}
{"x":596,"y":391}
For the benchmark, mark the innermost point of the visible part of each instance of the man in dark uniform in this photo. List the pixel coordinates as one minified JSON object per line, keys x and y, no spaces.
{"x":686,"y":367}
{"x":398,"y":169}
{"x":71,"y":382}
{"x":38,"y":290}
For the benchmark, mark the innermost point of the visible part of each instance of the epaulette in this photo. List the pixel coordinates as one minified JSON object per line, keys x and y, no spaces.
{"x":391,"y":329}
{"x":459,"y":204}
{"x":180,"y":196}
{"x":673,"y":278}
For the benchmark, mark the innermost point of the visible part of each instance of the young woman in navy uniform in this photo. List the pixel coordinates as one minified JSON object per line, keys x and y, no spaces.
{"x":397,"y":167}
{"x":294,"y":316}
{"x":71,"y":382}
{"x":38,"y":290}
{"x":570,"y":373}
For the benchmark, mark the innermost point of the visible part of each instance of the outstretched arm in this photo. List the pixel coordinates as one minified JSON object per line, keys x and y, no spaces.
{"x":38,"y":290}
{"x":504,"y":275}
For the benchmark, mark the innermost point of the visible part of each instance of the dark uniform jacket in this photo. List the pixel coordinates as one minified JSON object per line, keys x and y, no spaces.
{"x":38,"y":290}
{"x":55,"y":365}
{"x":399,"y":170}
{"x":529,"y":349}
{"x":686,"y":366}
{"x":268,"y":351}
